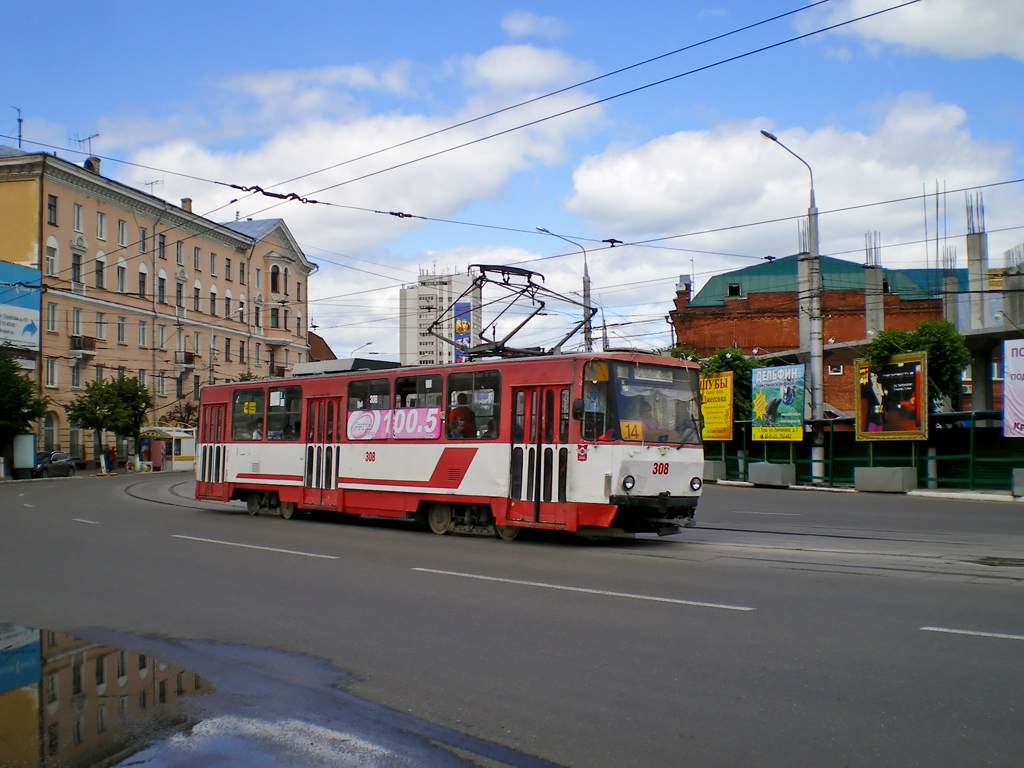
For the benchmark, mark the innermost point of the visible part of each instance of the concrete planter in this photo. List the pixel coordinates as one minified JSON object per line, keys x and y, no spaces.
{"x":764,"y":473}
{"x":885,"y":479}
{"x":714,"y":470}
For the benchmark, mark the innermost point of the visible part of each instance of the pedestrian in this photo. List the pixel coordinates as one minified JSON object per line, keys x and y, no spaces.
{"x":105,"y":459}
{"x":113,"y":459}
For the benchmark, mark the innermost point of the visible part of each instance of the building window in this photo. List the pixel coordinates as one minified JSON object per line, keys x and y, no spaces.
{"x":227,"y":350}
{"x":98,"y":269}
{"x":161,"y":246}
{"x":100,"y":326}
{"x":213,"y":264}
{"x":161,"y":290}
{"x":241,"y":351}
{"x":274,"y":323}
{"x":51,"y":209}
{"x":286,"y":319}
{"x":179,"y":253}
{"x":227,"y":269}
{"x":161,"y":384}
{"x":142,"y":239}
{"x":227,"y":307}
{"x":50,"y":265}
{"x":76,"y":267}
{"x":122,"y":278}
{"x":195,"y":299}
{"x":835,"y":370}
{"x":141,"y":375}
{"x":122,"y":232}
{"x":142,"y":285}
{"x":51,"y":372}
{"x":76,"y":322}
{"x":122,"y":325}
{"x":275,"y":279}
{"x":76,"y":374}
{"x":142,"y":333}
{"x":213,"y":302}
{"x":298,"y":291}
{"x":734,"y":289}
{"x":161,"y":333}
{"x":195,"y":387}
{"x":51,"y":317}
{"x":76,"y":217}
{"x":101,"y":226}
{"x":179,"y":295}
{"x":98,"y":373}
{"x":241,"y":273}
{"x":256,"y":354}
{"x":197,"y":257}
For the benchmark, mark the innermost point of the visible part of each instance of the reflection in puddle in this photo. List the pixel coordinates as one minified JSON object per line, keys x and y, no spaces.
{"x":69,"y":702}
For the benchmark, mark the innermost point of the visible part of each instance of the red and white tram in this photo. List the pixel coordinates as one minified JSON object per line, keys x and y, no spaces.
{"x":597,"y":444}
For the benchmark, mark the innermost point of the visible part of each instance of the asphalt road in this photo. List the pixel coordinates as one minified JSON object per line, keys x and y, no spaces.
{"x":796,"y":628}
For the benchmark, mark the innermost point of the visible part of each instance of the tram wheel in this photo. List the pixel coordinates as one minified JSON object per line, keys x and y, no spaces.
{"x":439,"y":518}
{"x":506,"y":532}
{"x":252,"y":503}
{"x":287,"y":509}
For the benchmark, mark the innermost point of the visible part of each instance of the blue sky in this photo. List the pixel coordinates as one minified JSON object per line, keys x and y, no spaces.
{"x":262,"y":93}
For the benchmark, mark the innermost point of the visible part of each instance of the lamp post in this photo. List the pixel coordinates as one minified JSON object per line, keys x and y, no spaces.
{"x":588,"y":336}
{"x":353,"y":352}
{"x":815,"y":331}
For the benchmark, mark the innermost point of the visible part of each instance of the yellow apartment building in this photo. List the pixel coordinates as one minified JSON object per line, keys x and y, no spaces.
{"x":135,"y":286}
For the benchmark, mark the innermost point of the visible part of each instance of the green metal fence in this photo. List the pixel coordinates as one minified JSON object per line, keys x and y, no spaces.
{"x":963,"y":450}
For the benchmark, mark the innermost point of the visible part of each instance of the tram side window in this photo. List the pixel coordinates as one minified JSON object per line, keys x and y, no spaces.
{"x":418,"y":392}
{"x":474,"y":402}
{"x":598,"y":421}
{"x":247,"y":414}
{"x":284,"y":412}
{"x":369,"y":395}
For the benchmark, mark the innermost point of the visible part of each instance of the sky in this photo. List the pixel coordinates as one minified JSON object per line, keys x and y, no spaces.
{"x":658,"y":145}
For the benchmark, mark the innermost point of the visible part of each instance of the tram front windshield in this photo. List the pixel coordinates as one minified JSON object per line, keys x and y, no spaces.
{"x":640,"y":403}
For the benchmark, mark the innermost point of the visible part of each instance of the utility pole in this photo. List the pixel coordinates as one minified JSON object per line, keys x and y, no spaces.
{"x":815,"y":367}
{"x":588,"y":328}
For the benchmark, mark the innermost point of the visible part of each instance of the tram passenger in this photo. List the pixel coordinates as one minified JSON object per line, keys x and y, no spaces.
{"x":257,"y":432}
{"x":461,"y":419}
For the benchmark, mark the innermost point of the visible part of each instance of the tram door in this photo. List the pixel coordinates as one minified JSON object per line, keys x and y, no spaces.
{"x":321,"y":472}
{"x":540,"y":454}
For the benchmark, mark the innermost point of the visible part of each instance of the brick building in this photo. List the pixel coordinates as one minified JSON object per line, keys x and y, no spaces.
{"x":758,"y":310}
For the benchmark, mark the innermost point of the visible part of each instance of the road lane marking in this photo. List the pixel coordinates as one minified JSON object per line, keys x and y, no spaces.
{"x":971,"y":632}
{"x":564,"y":588}
{"x":253,"y":546}
{"x":778,"y":514}
{"x":80,"y":520}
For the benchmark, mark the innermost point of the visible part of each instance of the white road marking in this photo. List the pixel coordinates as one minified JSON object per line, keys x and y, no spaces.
{"x":780,"y":514}
{"x":80,"y":520}
{"x":970,"y":632}
{"x":253,"y":546}
{"x":564,"y":588}
{"x":30,"y":506}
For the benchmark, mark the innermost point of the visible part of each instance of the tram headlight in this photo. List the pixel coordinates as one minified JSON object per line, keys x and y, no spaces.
{"x":628,"y":482}
{"x":695,"y":484}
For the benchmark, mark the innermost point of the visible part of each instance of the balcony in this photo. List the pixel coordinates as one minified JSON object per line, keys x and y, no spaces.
{"x":84,"y":344}
{"x":277,"y":371}
{"x":186,"y":359}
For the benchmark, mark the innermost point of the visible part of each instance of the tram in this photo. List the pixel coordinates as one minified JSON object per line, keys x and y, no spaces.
{"x":598,"y":444}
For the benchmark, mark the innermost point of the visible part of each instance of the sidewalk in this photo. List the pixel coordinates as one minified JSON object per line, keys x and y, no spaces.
{"x":933,"y":493}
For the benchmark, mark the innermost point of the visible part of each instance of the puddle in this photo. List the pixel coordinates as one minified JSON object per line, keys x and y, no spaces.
{"x":69,"y":702}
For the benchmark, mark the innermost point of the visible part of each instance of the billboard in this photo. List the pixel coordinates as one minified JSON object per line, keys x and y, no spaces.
{"x":777,"y":401}
{"x":463,"y":335}
{"x":892,"y":398}
{"x":1013,"y":388}
{"x":19,"y":306}
{"x":716,"y":406}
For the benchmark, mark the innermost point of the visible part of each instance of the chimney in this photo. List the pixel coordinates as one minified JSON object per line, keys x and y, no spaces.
{"x":186,"y":204}
{"x":92,"y":165}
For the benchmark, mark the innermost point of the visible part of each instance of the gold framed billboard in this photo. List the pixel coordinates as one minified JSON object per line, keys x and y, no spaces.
{"x":716,"y":406}
{"x":892,"y":399}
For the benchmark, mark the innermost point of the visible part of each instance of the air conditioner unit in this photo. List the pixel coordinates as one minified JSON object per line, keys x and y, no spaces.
{"x":181,"y":313}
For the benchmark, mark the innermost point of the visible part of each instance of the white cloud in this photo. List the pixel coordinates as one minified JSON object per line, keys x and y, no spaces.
{"x":511,"y":70}
{"x":525,"y":24}
{"x":694,"y":181}
{"x":952,"y":28}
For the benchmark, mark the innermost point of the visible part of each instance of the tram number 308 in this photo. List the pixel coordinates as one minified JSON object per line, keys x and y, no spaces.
{"x":371,"y":456}
{"x":660,"y":468}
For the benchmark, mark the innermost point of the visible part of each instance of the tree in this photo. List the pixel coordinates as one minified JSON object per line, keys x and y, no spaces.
{"x":118,"y":405}
{"x":947,"y":354}
{"x":184,"y":412}
{"x":19,"y":407}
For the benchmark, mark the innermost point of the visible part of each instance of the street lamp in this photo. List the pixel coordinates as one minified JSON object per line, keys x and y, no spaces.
{"x":815,"y":332}
{"x":353,"y":352}
{"x":588,"y":337}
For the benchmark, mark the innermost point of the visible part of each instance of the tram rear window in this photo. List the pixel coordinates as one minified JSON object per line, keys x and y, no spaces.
{"x":284,"y":411}
{"x":247,"y":414}
{"x":474,"y":402}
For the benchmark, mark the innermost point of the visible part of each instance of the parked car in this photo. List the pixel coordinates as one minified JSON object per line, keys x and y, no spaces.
{"x":53,"y":464}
